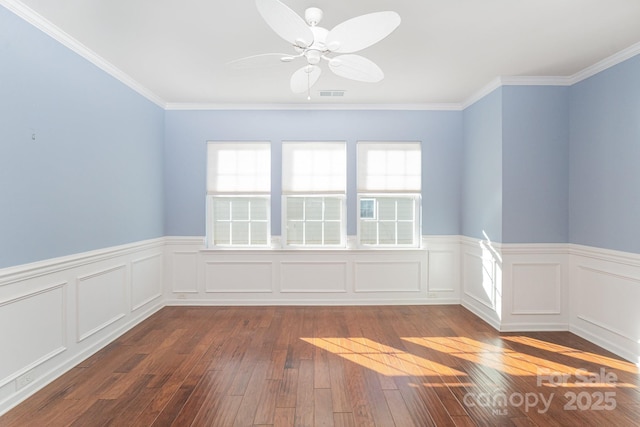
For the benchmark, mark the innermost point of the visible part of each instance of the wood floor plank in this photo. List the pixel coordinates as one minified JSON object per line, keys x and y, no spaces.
{"x":265,"y":412}
{"x":252,"y":396}
{"x":321,"y":376}
{"x":343,"y":419}
{"x":322,"y":407}
{"x":226,"y":412}
{"x":304,"y":395}
{"x":398,"y":408}
{"x":339,"y":395}
{"x":390,"y":366}
{"x":288,"y":391}
{"x":284,"y":417}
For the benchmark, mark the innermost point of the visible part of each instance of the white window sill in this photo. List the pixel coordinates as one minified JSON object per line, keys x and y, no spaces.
{"x":276,"y":246}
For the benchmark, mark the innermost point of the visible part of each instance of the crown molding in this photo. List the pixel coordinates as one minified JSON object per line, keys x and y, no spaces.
{"x":484,"y":91}
{"x":584,"y":74}
{"x":68,"y":41}
{"x":398,"y":107}
{"x":536,"y":81}
{"x":606,"y":63}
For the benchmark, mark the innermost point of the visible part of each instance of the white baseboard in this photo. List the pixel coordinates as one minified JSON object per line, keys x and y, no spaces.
{"x":534,"y":327}
{"x":483,"y":314}
{"x":305,"y":302}
{"x":601,"y":340}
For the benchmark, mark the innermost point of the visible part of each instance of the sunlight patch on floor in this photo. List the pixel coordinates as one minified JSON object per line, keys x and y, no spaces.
{"x":381,"y":358}
{"x":390,"y":361}
{"x":576,"y":354}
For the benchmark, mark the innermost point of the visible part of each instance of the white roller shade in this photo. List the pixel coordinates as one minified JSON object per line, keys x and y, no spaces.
{"x":389,"y":167}
{"x":314,"y":167}
{"x":238,"y":168}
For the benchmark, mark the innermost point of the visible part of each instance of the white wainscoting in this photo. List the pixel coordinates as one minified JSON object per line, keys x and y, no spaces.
{"x":312,"y":277}
{"x":535,"y":287}
{"x":65,"y":309}
{"x":517,"y":287}
{"x":605,"y":292}
{"x":591,"y":292}
{"x":482,"y":279}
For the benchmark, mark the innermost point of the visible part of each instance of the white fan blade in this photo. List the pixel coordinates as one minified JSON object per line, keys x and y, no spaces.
{"x":285,"y":22}
{"x":264,"y":60}
{"x":361,"y":32}
{"x":304,"y":78}
{"x":356,"y":67}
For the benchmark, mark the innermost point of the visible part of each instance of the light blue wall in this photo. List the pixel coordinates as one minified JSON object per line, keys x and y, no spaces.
{"x":92,"y":178}
{"x":482,"y":168}
{"x":535,"y":159}
{"x":108,"y":167}
{"x":604,"y":183}
{"x":185,"y":156}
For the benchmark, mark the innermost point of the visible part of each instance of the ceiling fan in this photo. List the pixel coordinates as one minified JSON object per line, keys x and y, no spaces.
{"x":316,"y":44}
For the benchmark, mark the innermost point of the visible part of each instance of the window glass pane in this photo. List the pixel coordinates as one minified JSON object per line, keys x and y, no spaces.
{"x":220,"y":209}
{"x":240,"y":209}
{"x":240,"y":233}
{"x":405,"y":209}
{"x":368,"y":232}
{"x":313,"y":234}
{"x":387,"y":231}
{"x":294,"y":232}
{"x":221,"y":233}
{"x":259,"y":209}
{"x":367,"y":208}
{"x":259,"y":233}
{"x":405,"y":233}
{"x":332,"y":208}
{"x":313,"y":208}
{"x":295,"y":208}
{"x":332,"y":233}
{"x":386,"y":209}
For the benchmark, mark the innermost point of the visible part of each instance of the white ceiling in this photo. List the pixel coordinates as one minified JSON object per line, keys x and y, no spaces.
{"x":443,"y":52}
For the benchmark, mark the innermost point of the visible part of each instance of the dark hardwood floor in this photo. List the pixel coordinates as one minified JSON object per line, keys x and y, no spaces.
{"x":337,"y":366}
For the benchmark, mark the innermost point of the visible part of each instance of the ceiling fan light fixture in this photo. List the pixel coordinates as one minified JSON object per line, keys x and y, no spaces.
{"x":302,"y":44}
{"x":313,"y":56}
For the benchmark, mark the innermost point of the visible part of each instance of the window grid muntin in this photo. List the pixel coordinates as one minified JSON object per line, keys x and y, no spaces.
{"x":249,"y":221}
{"x":323,"y":220}
{"x":379,"y":222}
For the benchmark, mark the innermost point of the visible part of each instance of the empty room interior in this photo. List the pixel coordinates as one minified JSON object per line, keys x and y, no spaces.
{"x":305,"y":213}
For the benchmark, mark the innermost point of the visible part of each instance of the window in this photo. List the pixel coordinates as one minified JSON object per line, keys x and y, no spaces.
{"x":238,"y":189}
{"x":389,"y":185}
{"x":314,"y":189}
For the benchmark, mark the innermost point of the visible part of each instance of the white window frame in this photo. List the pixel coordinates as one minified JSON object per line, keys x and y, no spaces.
{"x":243,"y":184}
{"x":386,"y":179}
{"x":309,"y":188}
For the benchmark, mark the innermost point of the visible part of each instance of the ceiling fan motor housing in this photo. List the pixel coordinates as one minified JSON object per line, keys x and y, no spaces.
{"x":313,"y":16}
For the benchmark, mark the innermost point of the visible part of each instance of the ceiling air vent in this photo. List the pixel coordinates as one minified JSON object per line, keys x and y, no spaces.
{"x":331,"y":93}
